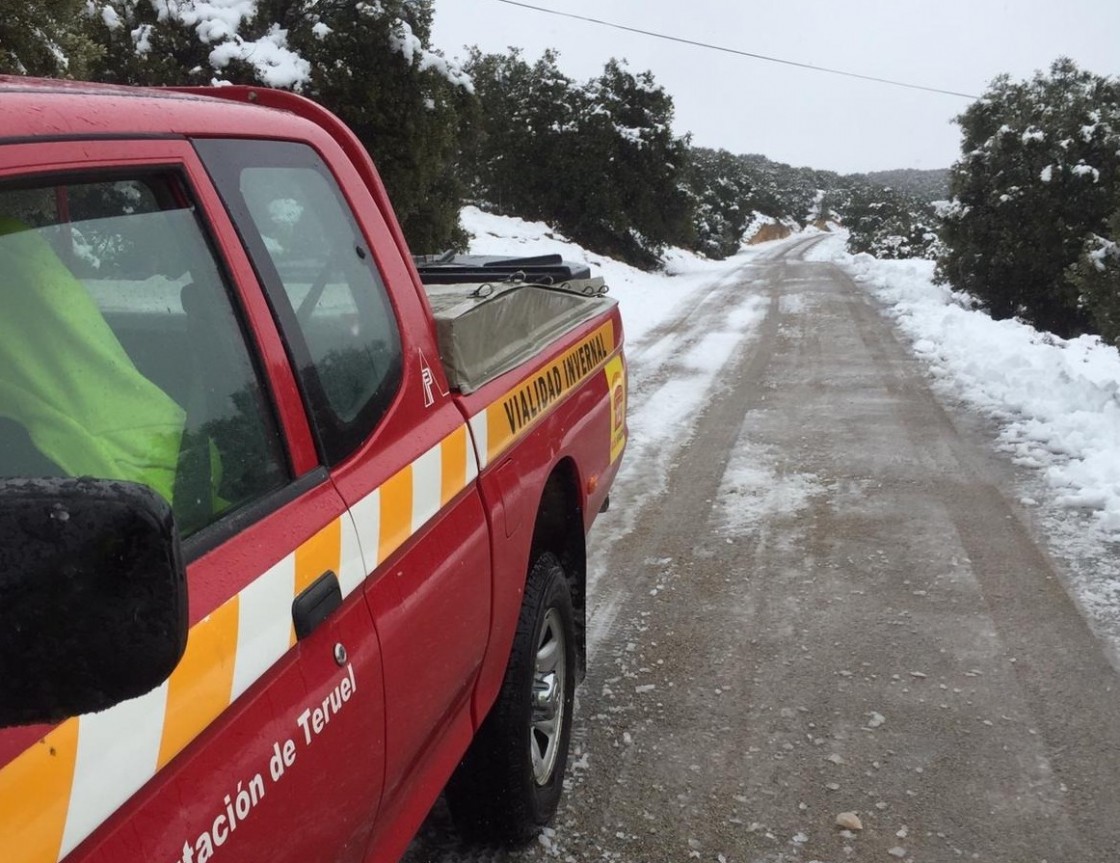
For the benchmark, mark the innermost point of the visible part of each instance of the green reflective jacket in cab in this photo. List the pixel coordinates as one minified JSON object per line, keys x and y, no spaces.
{"x":65,"y":377}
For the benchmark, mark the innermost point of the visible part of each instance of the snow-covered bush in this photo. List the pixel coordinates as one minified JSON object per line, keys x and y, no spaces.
{"x":1038,"y":178}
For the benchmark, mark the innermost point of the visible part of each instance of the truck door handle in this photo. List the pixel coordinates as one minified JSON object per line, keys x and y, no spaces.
{"x":315,"y":603}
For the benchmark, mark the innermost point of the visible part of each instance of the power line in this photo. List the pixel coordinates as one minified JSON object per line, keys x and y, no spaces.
{"x":735,"y":51}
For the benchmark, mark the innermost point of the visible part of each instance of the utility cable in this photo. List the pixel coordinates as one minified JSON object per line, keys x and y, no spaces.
{"x":735,"y":51}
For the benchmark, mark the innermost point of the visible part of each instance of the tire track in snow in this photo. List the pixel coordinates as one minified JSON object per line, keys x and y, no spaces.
{"x":674,"y":367}
{"x":674,"y":371}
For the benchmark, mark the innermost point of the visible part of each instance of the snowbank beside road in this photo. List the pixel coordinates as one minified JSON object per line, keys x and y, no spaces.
{"x":646,"y":298}
{"x":1056,"y":400}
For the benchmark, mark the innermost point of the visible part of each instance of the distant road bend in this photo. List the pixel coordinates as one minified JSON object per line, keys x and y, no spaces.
{"x":871,"y":627}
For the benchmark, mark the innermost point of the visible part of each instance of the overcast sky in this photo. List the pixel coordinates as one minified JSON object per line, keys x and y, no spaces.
{"x":795,"y":115}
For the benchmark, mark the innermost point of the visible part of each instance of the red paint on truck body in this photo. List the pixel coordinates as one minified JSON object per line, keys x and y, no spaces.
{"x":341,"y":760}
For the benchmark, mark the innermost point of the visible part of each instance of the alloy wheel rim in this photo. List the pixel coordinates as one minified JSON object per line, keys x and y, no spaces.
{"x":548,"y":697}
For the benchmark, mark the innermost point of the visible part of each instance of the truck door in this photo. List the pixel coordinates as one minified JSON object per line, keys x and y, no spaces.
{"x":135,"y":344}
{"x":396,"y":445}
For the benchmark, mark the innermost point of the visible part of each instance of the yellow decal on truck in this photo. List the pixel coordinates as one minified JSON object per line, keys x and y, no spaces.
{"x":505,"y":420}
{"x":616,"y":386}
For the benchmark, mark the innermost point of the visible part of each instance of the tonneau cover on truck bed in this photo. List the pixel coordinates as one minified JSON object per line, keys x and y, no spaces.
{"x":486,"y":330}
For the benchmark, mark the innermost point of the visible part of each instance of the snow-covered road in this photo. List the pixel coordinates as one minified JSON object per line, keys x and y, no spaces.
{"x":1054,"y":405}
{"x":819,"y":590}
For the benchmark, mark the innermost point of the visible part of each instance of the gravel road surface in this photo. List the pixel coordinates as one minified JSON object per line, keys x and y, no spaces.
{"x":873,"y":628}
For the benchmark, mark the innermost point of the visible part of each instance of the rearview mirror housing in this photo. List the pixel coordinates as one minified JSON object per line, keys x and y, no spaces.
{"x":93,"y":596}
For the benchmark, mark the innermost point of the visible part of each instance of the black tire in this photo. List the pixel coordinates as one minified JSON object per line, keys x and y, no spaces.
{"x":508,"y":785}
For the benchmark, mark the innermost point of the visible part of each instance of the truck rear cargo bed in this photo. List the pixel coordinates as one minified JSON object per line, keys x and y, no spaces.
{"x":487,"y":329}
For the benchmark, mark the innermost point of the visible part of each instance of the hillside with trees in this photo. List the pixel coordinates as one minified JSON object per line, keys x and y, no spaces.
{"x":1032,"y":229}
{"x":925,"y":186}
{"x":598,"y":159}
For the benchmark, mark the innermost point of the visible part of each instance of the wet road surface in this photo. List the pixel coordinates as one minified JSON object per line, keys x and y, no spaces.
{"x":875,"y":630}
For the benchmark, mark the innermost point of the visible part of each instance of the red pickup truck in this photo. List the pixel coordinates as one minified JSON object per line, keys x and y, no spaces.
{"x":289,"y":543}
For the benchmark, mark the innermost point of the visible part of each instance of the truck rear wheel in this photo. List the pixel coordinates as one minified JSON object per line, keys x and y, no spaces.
{"x":509,"y":784}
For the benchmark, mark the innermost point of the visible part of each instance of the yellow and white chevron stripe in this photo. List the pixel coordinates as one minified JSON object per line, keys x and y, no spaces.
{"x":56,"y":793}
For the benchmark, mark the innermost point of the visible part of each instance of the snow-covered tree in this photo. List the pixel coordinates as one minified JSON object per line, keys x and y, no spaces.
{"x":886,"y":223}
{"x":1037,"y":179}
{"x":721,"y":185}
{"x":1096,"y":279}
{"x":526,"y":128}
{"x":47,"y":38}
{"x":370,"y":62}
{"x":154,"y":42}
{"x":599,"y":160}
{"x":637,"y":203}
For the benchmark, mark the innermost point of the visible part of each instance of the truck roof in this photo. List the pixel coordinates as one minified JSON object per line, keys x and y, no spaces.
{"x":42,"y":109}
{"x":47,"y":108}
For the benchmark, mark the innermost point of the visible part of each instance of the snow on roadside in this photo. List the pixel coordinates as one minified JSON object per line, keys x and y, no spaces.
{"x":646,"y":298}
{"x":671,"y":380}
{"x":1056,"y":399}
{"x":1056,"y":403}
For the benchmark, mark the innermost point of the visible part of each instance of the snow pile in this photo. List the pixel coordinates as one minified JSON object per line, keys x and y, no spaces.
{"x":1056,"y":400}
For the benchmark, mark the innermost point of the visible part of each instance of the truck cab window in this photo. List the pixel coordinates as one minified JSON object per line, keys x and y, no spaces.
{"x":121,"y":355}
{"x":321,"y":280}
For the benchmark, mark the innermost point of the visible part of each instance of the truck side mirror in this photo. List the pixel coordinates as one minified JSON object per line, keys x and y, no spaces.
{"x":93,"y":596}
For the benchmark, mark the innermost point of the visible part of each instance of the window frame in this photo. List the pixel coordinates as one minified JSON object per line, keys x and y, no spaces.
{"x":335,"y":439}
{"x":182,"y":183}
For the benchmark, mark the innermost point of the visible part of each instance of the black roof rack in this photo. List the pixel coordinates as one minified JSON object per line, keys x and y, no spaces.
{"x":450,"y":269}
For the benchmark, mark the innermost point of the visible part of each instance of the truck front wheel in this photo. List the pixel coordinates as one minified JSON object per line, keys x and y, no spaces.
{"x":509,"y":784}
